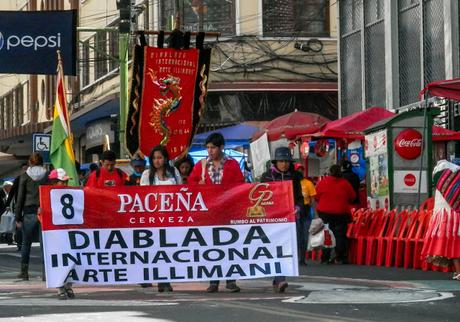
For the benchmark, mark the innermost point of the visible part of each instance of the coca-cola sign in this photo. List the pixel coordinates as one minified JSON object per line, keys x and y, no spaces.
{"x":410,"y":179}
{"x":408,"y":144}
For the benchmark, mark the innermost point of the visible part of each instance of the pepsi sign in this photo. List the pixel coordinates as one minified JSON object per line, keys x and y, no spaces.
{"x":29,"y":41}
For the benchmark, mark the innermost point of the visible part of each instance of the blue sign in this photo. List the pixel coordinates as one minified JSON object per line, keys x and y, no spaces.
{"x":42,"y":146}
{"x":29,"y":41}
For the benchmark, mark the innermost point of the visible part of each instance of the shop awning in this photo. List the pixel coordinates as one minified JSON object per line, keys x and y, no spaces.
{"x":449,"y":88}
{"x":442,"y":134}
{"x":292,"y":125}
{"x":353,"y":126}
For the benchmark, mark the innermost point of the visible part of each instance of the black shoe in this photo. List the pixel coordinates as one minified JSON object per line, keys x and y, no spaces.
{"x":164,"y":287}
{"x":213,"y":288}
{"x":145,"y":285}
{"x":232,"y":287}
{"x":69,"y":292}
{"x":280,"y":287}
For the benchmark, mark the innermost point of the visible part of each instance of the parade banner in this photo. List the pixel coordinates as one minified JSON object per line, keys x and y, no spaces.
{"x":128,"y":235}
{"x":29,"y":41}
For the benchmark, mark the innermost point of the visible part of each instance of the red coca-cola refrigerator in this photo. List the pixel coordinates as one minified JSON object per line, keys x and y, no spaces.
{"x":399,"y":160}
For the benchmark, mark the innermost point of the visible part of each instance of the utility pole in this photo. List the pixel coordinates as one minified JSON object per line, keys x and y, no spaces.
{"x":124,"y":6}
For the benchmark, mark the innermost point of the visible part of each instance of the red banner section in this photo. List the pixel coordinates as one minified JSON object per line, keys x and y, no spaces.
{"x":166,"y":206}
{"x":167,"y":100}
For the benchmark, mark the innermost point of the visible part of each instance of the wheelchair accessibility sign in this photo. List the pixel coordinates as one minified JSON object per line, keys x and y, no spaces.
{"x":42,"y":145}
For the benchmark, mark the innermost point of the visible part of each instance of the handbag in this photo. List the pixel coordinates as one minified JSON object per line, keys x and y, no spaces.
{"x":323,"y":238}
{"x":7,"y":222}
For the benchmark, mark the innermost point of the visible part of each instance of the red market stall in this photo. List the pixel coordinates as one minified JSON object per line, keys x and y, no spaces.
{"x":292,"y":125}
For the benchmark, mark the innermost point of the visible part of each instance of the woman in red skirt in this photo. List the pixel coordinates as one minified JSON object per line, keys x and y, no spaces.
{"x":442,"y":240}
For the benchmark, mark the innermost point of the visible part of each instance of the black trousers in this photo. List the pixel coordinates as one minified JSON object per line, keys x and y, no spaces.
{"x":338,"y":224}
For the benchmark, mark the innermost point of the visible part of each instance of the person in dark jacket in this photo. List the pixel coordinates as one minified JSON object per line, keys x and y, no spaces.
{"x":12,"y":200}
{"x":27,"y":208}
{"x":282,"y":169}
{"x":351,"y":177}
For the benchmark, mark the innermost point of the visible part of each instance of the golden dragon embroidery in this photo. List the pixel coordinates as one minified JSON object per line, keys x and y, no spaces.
{"x":162,"y":108}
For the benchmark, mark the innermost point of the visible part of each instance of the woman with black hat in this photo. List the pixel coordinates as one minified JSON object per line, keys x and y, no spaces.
{"x":282,"y":169}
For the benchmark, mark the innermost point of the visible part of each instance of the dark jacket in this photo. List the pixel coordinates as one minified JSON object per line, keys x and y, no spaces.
{"x":2,"y":201}
{"x":353,"y":179}
{"x":28,"y":192}
{"x":273,"y":174}
{"x":13,"y":195}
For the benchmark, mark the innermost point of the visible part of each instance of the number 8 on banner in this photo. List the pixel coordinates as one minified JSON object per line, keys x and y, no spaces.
{"x":67,"y":206}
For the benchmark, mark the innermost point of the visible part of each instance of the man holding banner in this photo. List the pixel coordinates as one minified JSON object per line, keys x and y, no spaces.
{"x":217,"y":168}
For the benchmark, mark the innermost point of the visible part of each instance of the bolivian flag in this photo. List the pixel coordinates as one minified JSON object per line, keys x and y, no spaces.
{"x":61,"y":153}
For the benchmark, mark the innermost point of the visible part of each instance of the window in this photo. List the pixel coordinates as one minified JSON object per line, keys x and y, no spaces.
{"x":287,"y":18}
{"x":2,"y":115}
{"x":26,"y":107}
{"x":18,"y":105}
{"x":113,"y":50}
{"x":100,"y":53}
{"x":196,"y":15}
{"x":84,"y":63}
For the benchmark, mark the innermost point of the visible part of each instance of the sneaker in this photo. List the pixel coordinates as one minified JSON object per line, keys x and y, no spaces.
{"x":232,"y":287}
{"x":213,"y":288}
{"x":456,"y":276}
{"x":280,"y":288}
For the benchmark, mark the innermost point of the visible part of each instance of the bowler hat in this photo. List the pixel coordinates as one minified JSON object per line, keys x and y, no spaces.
{"x":283,"y":154}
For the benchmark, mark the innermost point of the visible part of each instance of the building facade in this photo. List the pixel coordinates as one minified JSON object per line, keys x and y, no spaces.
{"x":272,"y":57}
{"x":390,"y":50}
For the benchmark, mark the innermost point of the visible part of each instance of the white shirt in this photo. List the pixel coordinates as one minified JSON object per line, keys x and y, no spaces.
{"x":145,"y":179}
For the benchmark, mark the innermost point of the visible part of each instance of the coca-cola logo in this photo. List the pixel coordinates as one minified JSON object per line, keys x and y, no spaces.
{"x":408,"y":144}
{"x":410,"y":180}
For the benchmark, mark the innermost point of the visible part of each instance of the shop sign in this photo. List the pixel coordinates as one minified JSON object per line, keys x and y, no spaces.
{"x":375,"y":143}
{"x":408,"y":144}
{"x":408,"y":181}
{"x":95,"y":133}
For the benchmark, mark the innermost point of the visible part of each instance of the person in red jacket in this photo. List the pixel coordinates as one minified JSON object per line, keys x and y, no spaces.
{"x":107,"y":175}
{"x":217,"y":168}
{"x":334,"y":195}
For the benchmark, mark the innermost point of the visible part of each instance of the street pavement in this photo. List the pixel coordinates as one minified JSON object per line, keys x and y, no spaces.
{"x":320,"y":293}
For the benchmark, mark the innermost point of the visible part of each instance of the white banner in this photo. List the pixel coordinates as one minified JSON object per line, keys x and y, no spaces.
{"x":173,"y":254}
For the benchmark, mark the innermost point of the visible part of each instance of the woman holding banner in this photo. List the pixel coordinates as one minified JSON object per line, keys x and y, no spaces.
{"x":160,"y":173}
{"x":58,"y":177}
{"x":283,"y":170}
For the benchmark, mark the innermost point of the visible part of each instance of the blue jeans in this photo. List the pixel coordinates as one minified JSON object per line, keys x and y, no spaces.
{"x":30,"y":227}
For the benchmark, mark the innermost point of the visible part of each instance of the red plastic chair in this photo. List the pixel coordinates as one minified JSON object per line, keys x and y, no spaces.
{"x":402,"y":241}
{"x":352,"y":231}
{"x":382,"y":219}
{"x":414,"y":242}
{"x":400,"y":222}
{"x":365,"y":229}
{"x":382,"y":241}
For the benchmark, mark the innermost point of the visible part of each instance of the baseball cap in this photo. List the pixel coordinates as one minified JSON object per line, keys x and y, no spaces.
{"x":58,"y":174}
{"x":7,"y":183}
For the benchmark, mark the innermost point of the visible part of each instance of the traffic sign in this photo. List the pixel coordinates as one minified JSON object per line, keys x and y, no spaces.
{"x":42,"y":145}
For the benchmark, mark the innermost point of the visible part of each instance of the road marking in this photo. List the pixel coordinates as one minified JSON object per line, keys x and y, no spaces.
{"x":94,"y":317}
{"x":370,"y":296}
